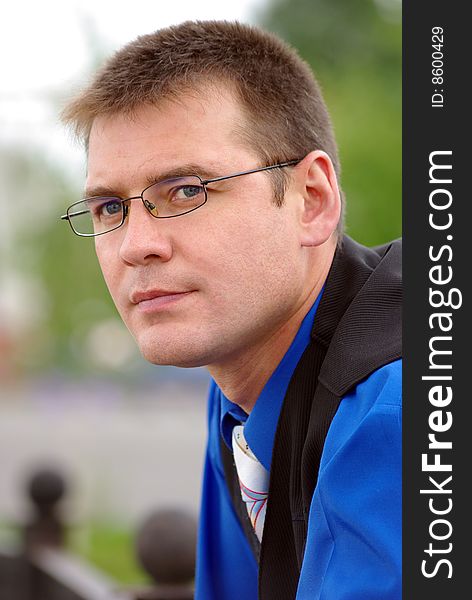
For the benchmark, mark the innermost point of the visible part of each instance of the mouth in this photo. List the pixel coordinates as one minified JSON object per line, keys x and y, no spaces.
{"x":153,"y":300}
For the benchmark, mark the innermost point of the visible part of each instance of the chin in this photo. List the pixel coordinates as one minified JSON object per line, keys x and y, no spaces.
{"x":174,"y":361}
{"x":175,"y":355}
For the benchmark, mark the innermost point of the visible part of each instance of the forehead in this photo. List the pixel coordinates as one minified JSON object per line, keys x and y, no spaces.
{"x":198,"y":128}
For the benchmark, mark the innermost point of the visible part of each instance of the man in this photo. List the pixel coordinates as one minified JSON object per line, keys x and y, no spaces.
{"x":233,"y":257}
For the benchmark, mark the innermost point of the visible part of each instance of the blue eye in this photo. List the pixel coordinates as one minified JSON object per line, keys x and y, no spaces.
{"x":175,"y":196}
{"x":188,"y":192}
{"x":111,"y":208}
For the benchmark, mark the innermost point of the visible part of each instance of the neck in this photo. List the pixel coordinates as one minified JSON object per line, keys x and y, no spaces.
{"x":242,"y":378}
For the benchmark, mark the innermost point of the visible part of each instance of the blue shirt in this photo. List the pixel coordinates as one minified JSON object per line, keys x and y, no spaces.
{"x":353,"y":547}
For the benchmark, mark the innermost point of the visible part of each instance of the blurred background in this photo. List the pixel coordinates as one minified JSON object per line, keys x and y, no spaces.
{"x":74,"y":391}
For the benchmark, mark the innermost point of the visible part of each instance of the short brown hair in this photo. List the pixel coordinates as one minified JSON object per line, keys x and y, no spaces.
{"x":286,"y":115}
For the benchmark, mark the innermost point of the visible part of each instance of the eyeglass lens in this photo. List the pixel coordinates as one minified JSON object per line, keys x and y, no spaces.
{"x":169,"y":198}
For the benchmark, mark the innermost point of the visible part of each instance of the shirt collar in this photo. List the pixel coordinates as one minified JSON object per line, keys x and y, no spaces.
{"x":261,"y":424}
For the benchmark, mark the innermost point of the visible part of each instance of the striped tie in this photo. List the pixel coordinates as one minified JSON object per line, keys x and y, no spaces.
{"x":253,"y":480}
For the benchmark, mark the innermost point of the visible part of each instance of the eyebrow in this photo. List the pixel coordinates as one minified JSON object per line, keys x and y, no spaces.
{"x":182,"y":171}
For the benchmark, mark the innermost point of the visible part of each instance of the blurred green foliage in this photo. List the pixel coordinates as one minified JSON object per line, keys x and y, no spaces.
{"x":79,"y":298}
{"x":111,"y":549}
{"x":51,"y":260}
{"x":354,"y":47}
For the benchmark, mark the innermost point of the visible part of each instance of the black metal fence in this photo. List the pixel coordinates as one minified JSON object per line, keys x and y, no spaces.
{"x":40,"y":568}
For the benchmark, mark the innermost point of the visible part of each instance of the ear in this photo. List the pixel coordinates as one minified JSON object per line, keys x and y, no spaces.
{"x":320,"y":198}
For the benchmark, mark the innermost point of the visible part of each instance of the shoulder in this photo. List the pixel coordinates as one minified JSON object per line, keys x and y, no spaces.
{"x":380,"y":392}
{"x":369,"y":416}
{"x":382,"y":388}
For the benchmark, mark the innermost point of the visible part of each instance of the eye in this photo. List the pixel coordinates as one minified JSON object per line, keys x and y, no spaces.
{"x":104,"y":209}
{"x":187,"y":192}
{"x":176,"y":196}
{"x":110,"y":208}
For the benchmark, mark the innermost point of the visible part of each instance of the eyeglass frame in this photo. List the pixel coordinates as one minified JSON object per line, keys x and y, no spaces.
{"x":204,"y":183}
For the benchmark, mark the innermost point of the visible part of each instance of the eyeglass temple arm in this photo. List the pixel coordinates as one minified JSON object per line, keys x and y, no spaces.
{"x":285,"y":164}
{"x":76,"y":214}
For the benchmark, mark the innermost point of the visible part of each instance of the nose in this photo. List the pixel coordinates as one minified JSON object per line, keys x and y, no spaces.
{"x":144,"y":237}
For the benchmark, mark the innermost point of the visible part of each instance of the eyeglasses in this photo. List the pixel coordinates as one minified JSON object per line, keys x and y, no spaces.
{"x":163,"y":200}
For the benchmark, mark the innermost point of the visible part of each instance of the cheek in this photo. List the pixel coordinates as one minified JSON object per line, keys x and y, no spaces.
{"x":251,"y":259}
{"x":109,"y":265}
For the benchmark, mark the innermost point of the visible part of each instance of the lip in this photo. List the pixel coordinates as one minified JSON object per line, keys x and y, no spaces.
{"x":152,"y":300}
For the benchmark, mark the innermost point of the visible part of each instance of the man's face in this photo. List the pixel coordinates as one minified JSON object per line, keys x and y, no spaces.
{"x":205,"y":287}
